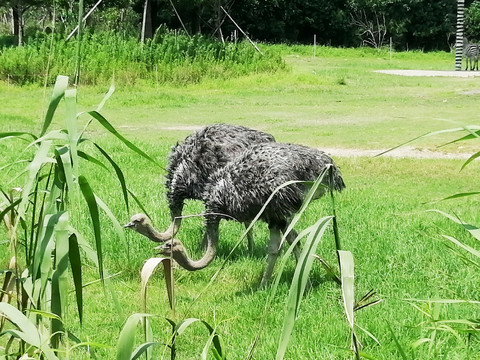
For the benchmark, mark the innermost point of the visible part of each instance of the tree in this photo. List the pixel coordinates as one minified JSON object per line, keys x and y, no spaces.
{"x":18,"y":9}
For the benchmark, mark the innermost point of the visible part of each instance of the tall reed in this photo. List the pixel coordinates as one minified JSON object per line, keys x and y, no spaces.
{"x":44,"y":243}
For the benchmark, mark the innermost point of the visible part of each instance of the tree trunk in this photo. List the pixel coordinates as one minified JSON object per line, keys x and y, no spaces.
{"x":14,"y":12}
{"x":459,"y":36}
{"x":17,"y":23}
{"x":146,"y":22}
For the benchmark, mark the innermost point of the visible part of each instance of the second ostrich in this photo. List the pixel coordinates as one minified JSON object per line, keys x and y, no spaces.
{"x":241,"y":188}
{"x":192,"y":161}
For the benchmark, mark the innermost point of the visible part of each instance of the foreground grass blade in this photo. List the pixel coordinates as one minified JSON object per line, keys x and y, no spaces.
{"x":59,"y":277}
{"x":397,"y":343}
{"x":41,"y":157}
{"x":112,"y":130}
{"x":61,"y":85}
{"x":347,"y":277}
{"x":147,"y":271}
{"x":118,"y":228}
{"x":329,"y":269}
{"x":90,"y":158}
{"x":274,"y":287}
{"x":27,"y":330}
{"x":299,"y":282}
{"x":460,"y":195}
{"x":10,"y":134}
{"x":126,"y":340}
{"x":119,"y":173}
{"x":306,"y":201}
{"x":140,"y":205}
{"x":345,"y":259}
{"x":474,"y":133}
{"x":94,"y":215}
{"x":473,"y":230}
{"x":71,"y":125}
{"x":9,"y":208}
{"x":470,"y":159}
{"x":76,"y":266}
{"x":213,"y":338}
{"x":142,"y":349}
{"x":107,"y":96}
{"x":446,"y":131}
{"x":471,"y":250}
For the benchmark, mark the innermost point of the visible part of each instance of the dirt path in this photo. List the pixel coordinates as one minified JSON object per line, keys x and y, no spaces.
{"x":464,"y":74}
{"x":403,"y":152}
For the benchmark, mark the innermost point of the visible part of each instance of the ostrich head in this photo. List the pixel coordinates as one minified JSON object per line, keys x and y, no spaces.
{"x":141,"y":224}
{"x":174,"y":248}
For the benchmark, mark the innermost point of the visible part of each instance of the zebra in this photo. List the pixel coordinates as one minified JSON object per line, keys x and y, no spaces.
{"x":471,"y":53}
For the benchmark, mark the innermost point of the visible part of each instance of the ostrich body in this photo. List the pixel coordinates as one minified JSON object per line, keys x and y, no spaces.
{"x":193,"y":161}
{"x":242,"y":187}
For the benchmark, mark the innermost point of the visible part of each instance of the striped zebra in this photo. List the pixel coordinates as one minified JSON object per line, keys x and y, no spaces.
{"x":471,"y":53}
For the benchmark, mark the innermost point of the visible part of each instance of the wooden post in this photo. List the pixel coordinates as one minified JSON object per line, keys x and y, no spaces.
{"x":391,"y":48}
{"x":314,"y":45}
{"x":459,"y":35}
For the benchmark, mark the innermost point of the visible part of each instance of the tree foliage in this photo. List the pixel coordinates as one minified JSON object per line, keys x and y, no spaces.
{"x":472,"y":21}
{"x":424,"y":24}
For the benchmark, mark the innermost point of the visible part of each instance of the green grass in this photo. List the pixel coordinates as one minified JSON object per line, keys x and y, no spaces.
{"x":333,"y":100}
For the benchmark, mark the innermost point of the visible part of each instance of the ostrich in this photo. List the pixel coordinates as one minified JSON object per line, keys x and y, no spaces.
{"x":240,"y":189}
{"x":192,"y":162}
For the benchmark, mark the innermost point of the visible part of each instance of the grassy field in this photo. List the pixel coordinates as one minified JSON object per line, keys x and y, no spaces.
{"x":332,"y":100}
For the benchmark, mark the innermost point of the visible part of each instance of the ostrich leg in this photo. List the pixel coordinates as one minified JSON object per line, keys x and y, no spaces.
{"x":273,"y":250}
{"x":292,"y":235}
{"x":250,"y":243}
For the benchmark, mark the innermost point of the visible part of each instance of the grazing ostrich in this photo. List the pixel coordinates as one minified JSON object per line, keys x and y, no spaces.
{"x":240,"y":190}
{"x":192,"y":162}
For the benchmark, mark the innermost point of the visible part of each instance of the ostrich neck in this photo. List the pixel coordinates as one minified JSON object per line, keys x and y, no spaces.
{"x":184,"y":261}
{"x":153,"y":234}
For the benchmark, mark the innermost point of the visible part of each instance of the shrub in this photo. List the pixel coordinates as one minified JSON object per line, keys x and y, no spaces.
{"x":168,"y":58}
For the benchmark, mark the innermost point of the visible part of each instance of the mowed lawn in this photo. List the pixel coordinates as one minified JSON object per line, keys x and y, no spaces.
{"x":334,"y":100}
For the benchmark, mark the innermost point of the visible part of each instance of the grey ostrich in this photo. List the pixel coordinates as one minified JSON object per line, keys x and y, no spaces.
{"x":194,"y":160}
{"x":241,"y":188}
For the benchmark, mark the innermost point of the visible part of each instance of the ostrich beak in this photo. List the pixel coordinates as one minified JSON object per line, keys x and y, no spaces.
{"x":165,"y":248}
{"x":129,"y":225}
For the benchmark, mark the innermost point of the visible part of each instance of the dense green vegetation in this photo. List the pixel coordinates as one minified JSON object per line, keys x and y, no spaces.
{"x":167,"y":58}
{"x":331,"y":100}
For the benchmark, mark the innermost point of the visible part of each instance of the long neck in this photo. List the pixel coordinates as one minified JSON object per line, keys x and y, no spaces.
{"x":184,"y":261}
{"x":153,"y":234}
